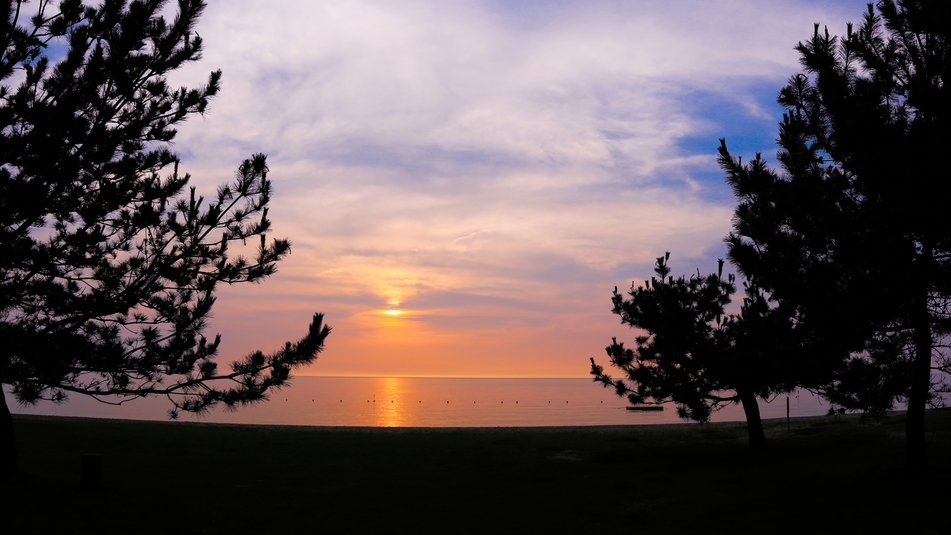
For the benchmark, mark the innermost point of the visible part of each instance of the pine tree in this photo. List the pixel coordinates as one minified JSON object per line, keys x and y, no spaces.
{"x":108,"y":266}
{"x":694,"y":354}
{"x":854,"y":233}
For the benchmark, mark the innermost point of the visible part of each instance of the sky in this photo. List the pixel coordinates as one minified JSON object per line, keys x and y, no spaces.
{"x":489,"y":170}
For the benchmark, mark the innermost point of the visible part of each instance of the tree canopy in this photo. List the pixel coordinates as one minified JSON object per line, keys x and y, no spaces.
{"x":693,"y":353}
{"x":854,"y":232}
{"x":847,"y":250}
{"x":108,"y":264}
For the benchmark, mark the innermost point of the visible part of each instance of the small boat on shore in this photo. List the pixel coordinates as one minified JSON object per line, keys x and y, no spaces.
{"x":645,"y":407}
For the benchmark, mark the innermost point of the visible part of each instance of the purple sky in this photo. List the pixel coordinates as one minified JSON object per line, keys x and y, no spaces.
{"x":491,"y":169}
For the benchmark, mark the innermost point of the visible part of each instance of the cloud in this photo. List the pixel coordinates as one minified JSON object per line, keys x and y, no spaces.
{"x":486,"y":159}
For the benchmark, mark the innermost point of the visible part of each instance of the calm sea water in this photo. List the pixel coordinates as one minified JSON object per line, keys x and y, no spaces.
{"x":427,"y":402}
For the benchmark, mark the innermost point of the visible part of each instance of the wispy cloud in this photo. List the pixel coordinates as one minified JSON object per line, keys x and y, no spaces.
{"x":495,"y":168}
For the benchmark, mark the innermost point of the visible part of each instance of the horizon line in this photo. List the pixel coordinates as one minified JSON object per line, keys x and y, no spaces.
{"x":438,"y":377}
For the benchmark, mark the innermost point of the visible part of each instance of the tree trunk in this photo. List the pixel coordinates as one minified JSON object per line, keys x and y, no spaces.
{"x":921,"y":374}
{"x":754,"y":425}
{"x":8,"y":450}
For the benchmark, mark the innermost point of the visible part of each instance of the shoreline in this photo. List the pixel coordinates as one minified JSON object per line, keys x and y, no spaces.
{"x":470,"y":429}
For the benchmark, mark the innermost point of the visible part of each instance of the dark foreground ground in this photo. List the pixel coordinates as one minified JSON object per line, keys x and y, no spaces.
{"x":828,"y":475}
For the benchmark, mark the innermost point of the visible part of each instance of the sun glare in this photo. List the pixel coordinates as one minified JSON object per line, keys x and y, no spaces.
{"x":393,"y":312}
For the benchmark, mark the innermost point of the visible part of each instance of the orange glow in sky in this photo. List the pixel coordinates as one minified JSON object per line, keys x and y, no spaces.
{"x":465,"y":185}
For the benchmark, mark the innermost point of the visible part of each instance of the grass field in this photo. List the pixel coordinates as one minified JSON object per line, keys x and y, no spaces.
{"x":827,"y":475}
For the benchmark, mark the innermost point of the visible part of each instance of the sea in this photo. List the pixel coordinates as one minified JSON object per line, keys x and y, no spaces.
{"x":427,"y":402}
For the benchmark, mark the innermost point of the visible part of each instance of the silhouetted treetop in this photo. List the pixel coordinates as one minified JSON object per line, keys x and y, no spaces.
{"x":108,"y":264}
{"x":853,"y":233}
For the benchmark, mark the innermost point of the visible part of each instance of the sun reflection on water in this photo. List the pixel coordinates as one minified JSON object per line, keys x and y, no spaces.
{"x":390,"y":403}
